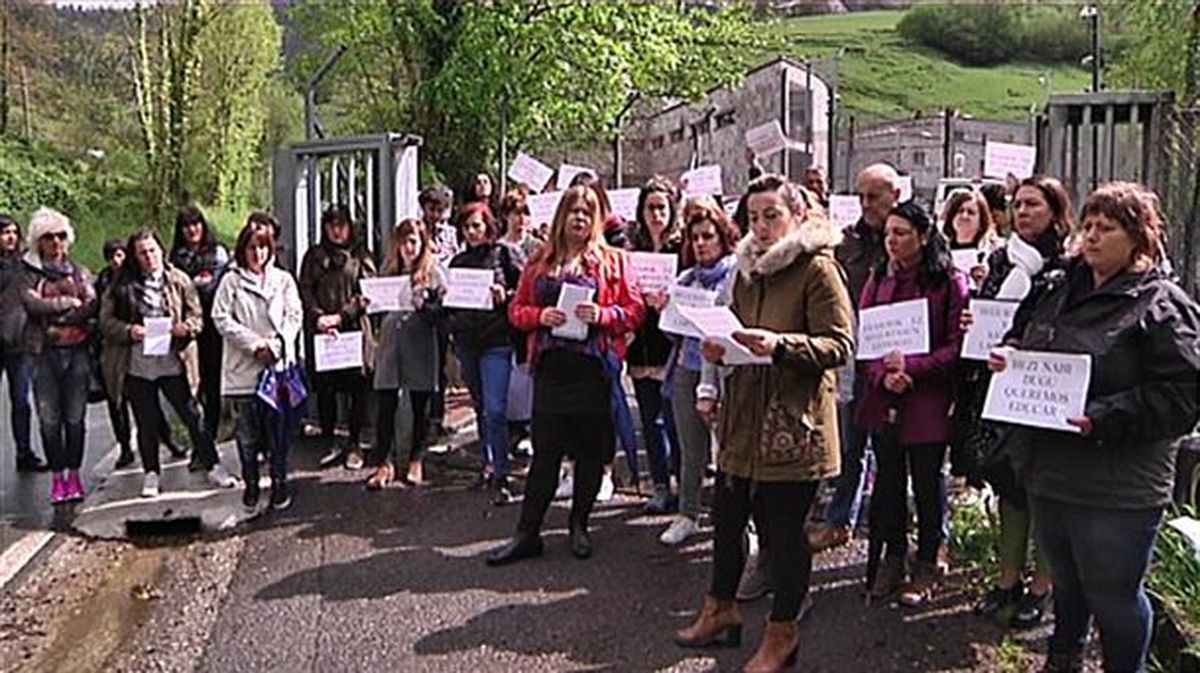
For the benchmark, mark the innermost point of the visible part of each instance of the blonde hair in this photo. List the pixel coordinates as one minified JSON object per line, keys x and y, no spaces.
{"x":555,"y":250}
{"x":393,"y":263}
{"x":46,"y":220}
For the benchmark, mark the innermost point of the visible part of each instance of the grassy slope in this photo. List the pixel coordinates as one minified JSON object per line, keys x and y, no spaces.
{"x":883,"y":75}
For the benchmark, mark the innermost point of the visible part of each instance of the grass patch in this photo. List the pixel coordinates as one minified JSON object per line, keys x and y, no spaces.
{"x":884,"y":75}
{"x":974,"y":531}
{"x":1174,"y":579}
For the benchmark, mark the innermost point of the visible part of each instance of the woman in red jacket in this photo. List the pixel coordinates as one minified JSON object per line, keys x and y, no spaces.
{"x":571,"y":389}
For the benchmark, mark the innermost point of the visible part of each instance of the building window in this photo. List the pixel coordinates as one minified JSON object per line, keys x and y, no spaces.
{"x":726,"y":118}
{"x":960,"y":135}
{"x":919,"y":158}
{"x":657,"y":142}
{"x":676,"y":136}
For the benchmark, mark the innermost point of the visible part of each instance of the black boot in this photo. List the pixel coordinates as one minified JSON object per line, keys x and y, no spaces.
{"x":521,"y":547}
{"x":28,"y":462}
{"x":124,"y":458}
{"x":581,"y":542}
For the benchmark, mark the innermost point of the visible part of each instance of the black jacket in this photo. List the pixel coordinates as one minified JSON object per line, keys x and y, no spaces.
{"x":859,"y":252}
{"x":485,"y":329}
{"x":1143,"y":333}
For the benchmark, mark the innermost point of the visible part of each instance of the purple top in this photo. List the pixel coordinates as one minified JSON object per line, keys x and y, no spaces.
{"x":925,"y":408}
{"x":545,"y":291}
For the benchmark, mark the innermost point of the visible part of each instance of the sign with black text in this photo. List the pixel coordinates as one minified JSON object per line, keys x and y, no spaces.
{"x":1040,"y":389}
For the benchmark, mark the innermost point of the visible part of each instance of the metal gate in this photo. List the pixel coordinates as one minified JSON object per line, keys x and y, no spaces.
{"x":375,"y":176}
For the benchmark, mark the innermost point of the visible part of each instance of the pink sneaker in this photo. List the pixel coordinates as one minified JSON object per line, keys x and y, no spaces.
{"x":74,"y":487}
{"x":58,"y":489}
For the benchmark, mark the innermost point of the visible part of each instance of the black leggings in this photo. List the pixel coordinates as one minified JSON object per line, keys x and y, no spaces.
{"x":143,"y":400}
{"x":779,"y":510}
{"x":210,"y":347}
{"x":354,"y":385}
{"x":416,"y":425}
{"x":585,"y":437}
{"x":889,"y":500}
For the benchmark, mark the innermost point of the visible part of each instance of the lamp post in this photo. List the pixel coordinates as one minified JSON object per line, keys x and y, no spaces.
{"x":1091,"y":14}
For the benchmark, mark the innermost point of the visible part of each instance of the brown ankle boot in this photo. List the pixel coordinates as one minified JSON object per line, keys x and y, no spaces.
{"x":888,"y":578}
{"x":719,"y":624}
{"x":777,"y":649}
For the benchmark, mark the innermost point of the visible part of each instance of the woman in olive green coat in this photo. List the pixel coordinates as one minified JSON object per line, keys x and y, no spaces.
{"x":777,"y":422}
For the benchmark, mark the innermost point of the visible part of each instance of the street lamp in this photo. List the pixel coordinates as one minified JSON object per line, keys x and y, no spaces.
{"x":1091,"y":14}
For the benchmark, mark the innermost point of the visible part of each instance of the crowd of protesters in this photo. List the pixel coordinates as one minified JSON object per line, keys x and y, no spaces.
{"x":1079,"y":512}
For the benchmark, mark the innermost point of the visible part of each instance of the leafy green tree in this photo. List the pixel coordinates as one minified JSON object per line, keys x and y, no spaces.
{"x":1158,"y":47}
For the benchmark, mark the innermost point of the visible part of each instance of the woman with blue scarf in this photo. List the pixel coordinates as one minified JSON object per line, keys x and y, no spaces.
{"x":708,"y":241}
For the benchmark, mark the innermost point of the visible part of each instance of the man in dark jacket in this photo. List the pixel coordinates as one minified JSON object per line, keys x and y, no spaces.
{"x":333,"y":302}
{"x":14,"y":361}
{"x":860,"y":251}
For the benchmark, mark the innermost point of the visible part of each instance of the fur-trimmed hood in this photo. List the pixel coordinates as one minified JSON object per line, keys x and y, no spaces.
{"x":815,"y":234}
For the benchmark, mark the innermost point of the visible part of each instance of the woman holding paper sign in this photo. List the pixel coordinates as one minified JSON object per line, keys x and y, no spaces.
{"x":777,"y":423}
{"x":655,"y":231}
{"x":1033,"y":253}
{"x":1098,"y":496}
{"x":967,"y":224}
{"x":60,"y":301}
{"x":406,"y":362}
{"x":258,"y":311}
{"x":150,"y":293}
{"x":482,"y":342}
{"x":907,"y":400}
{"x":571,"y":385}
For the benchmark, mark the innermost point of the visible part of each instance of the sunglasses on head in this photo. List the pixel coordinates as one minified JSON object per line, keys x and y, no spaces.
{"x":60,"y":235}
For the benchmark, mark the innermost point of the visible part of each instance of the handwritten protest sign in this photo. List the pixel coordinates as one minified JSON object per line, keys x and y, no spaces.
{"x":469,"y":289}
{"x":567,"y":173}
{"x":992,"y":319}
{"x":906,"y":188}
{"x":158,"y":336}
{"x":542,"y":207}
{"x":624,"y":202}
{"x":343,"y":350}
{"x":530,"y":171}
{"x":388,"y":293}
{"x":570,"y":296}
{"x":766,"y":139}
{"x":903,"y":326}
{"x":1039,"y":389}
{"x":719,"y":323}
{"x":702,"y":181}
{"x":1000,"y":159}
{"x":672,"y":321}
{"x":845,"y":209}
{"x":654,"y":271}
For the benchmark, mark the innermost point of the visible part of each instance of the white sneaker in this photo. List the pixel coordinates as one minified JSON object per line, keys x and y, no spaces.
{"x":566,"y":487}
{"x":150,"y":485}
{"x":679,"y":530}
{"x":217,"y":476}
{"x":607,"y":489}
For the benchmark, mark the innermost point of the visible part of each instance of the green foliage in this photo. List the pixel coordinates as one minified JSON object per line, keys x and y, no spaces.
{"x":1175,"y":578}
{"x":974,"y":533}
{"x":985,"y":34}
{"x":883,"y":75}
{"x":1158,"y":46}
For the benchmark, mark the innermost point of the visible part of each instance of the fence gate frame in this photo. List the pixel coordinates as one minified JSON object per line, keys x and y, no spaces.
{"x":375,"y":176}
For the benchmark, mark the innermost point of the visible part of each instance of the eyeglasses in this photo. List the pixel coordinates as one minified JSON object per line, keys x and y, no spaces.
{"x":60,"y":235}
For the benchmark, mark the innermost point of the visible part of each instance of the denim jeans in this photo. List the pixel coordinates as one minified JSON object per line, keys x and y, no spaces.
{"x":486,"y":372}
{"x":622,"y":421}
{"x":1098,"y":560}
{"x":256,"y":430}
{"x":694,"y":441}
{"x":844,"y":508}
{"x":17,"y":367}
{"x":60,"y":388}
{"x":657,"y":429}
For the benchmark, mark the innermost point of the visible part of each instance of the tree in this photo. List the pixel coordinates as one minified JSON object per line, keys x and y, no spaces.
{"x":1159,"y":47}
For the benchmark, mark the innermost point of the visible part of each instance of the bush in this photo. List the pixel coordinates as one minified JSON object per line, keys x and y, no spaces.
{"x":991,"y":34}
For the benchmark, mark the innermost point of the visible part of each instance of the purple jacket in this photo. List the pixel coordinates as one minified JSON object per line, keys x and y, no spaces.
{"x":925,"y":409}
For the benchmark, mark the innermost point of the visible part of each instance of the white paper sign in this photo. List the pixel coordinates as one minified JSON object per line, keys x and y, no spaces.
{"x":906,"y":188}
{"x":1190,"y":529}
{"x":966,"y":259}
{"x":672,"y":321}
{"x":343,"y":350}
{"x":719,"y":323}
{"x":469,"y":289}
{"x":624,"y":202}
{"x":530,"y":171}
{"x":1000,"y":159}
{"x":569,"y":296}
{"x":992,"y":319}
{"x":567,"y":173}
{"x":903,"y":326}
{"x":845,"y":209}
{"x":702,"y":181}
{"x":387,"y":293}
{"x":654,"y":271}
{"x":1041,"y":390}
{"x":158,"y":336}
{"x":542,"y":207}
{"x":766,"y":139}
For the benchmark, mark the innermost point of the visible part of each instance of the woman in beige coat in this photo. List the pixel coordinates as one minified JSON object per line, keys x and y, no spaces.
{"x":777,"y":422}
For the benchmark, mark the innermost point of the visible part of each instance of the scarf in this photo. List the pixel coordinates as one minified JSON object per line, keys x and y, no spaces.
{"x":1027,"y":261}
{"x":710,"y":278}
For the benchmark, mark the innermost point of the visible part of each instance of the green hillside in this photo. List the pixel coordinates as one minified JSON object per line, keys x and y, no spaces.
{"x":881,"y":74}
